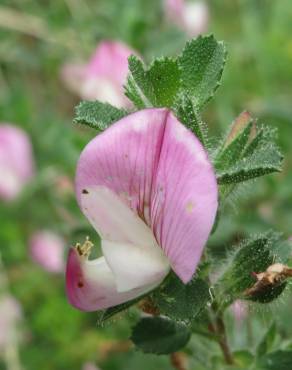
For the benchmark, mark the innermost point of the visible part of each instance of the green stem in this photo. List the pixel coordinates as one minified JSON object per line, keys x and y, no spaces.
{"x":217,"y":326}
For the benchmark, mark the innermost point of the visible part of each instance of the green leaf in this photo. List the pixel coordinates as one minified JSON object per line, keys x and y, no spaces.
{"x":181,"y":301}
{"x":97,"y":115}
{"x":267,"y":341}
{"x":164,"y":76}
{"x":160,"y":335}
{"x":262,"y":162}
{"x":253,"y":255}
{"x":112,"y":311}
{"x":138,"y":89}
{"x":243,"y":359}
{"x":233,"y":150}
{"x":155,"y":87}
{"x":189,"y":115}
{"x":202,"y":62}
{"x":278,"y":360}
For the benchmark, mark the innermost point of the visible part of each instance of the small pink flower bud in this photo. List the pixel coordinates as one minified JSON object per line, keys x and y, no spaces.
{"x":47,"y":249}
{"x":16,"y":161}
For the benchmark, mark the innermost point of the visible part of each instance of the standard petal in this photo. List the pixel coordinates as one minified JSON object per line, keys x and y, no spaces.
{"x":160,"y":170}
{"x":91,"y":285}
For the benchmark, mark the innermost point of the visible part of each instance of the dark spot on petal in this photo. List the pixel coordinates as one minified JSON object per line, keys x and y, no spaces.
{"x":84,"y":191}
{"x":80,"y":284}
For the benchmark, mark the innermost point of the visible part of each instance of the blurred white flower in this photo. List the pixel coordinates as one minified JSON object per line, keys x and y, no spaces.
{"x":190,"y":16}
{"x":47,"y":249}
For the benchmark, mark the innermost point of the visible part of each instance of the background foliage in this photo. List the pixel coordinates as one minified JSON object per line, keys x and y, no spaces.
{"x":257,"y":77}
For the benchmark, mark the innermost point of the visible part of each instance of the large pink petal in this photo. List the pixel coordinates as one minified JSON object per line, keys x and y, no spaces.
{"x":162,"y":172}
{"x":91,"y":286}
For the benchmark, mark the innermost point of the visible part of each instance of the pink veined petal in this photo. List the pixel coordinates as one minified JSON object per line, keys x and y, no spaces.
{"x":91,"y":285}
{"x":161,"y":171}
{"x":16,"y":161}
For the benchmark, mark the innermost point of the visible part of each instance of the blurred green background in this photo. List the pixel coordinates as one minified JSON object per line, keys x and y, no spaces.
{"x":36,"y":38}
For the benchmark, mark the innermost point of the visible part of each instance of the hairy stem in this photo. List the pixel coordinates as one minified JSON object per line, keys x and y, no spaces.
{"x":218,"y":327}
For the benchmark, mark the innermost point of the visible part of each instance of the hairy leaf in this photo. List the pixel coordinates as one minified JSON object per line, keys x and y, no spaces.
{"x":97,"y":115}
{"x":160,"y":335}
{"x":189,"y":115}
{"x":182,"y":301}
{"x":202,"y":62}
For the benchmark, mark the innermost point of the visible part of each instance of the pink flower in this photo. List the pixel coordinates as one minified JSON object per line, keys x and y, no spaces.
{"x":10,"y":314}
{"x":16,"y":161}
{"x":47,"y":249}
{"x":103,"y":77}
{"x":240,"y":310}
{"x":191,"y":16}
{"x":148,"y":188}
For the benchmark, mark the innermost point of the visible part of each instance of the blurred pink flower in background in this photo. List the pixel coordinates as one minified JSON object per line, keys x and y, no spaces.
{"x":190,"y":16}
{"x":239,"y":310}
{"x":16,"y":161}
{"x":47,"y":249}
{"x":10,"y":314}
{"x":90,"y":366}
{"x":103,"y":77}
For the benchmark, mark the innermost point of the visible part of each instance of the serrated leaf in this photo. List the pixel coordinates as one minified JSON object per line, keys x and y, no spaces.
{"x":262,"y":162}
{"x":138,"y":89}
{"x":134,"y":94}
{"x":233,"y":151}
{"x":153,"y":87}
{"x":267,"y":341}
{"x":278,"y":360}
{"x":164,"y":75}
{"x":189,"y":115}
{"x":253,"y":255}
{"x":107,"y":314}
{"x":202,"y":62}
{"x":160,"y":335}
{"x":181,"y":301}
{"x":97,"y":115}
